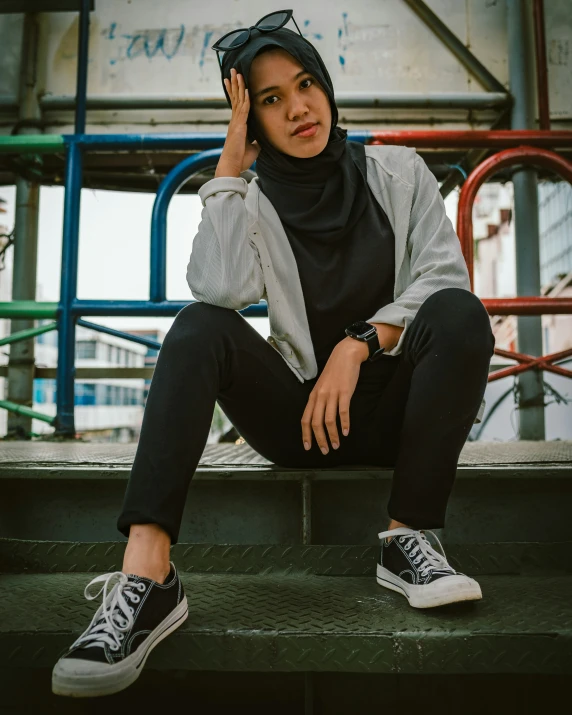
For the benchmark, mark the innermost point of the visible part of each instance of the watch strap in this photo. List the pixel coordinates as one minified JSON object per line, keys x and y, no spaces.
{"x":375,"y":350}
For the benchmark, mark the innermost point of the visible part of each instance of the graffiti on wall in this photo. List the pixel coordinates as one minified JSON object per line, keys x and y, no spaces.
{"x":162,"y":42}
{"x":167,"y":43}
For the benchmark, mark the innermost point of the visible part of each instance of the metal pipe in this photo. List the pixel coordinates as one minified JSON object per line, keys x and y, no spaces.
{"x":22,"y":360}
{"x":26,"y":334}
{"x":26,"y":412}
{"x":82,"y":67}
{"x":454,"y":44}
{"x":525,"y":182}
{"x":65,"y":420}
{"x":531,"y":305}
{"x":461,"y":139}
{"x":28,"y":309}
{"x":541,"y":65}
{"x":153,"y":344}
{"x":344,"y":100}
{"x":166,"y":308}
{"x":509,"y":157}
{"x":65,"y":417}
{"x":520,"y":369}
{"x":167,"y":189}
{"x":33,"y":143}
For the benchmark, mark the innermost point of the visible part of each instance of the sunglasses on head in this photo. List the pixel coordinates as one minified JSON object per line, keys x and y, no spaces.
{"x":237,"y":38}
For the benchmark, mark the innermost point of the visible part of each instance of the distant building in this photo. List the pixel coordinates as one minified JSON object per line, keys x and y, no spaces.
{"x":108,"y":409}
{"x":151,"y":354}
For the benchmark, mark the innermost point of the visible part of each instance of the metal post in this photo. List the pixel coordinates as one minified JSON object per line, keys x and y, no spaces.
{"x":82,"y":60}
{"x":65,"y":375}
{"x":21,"y":365}
{"x":541,"y":65}
{"x":522,"y":74}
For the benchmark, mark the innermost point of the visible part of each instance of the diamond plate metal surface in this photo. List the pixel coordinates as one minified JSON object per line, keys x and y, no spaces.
{"x":322,"y":560}
{"x":312,"y":623}
{"x":224,"y":462}
{"x":473,"y":453}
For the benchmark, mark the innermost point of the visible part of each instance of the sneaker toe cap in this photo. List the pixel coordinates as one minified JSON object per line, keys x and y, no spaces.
{"x":80,"y":666}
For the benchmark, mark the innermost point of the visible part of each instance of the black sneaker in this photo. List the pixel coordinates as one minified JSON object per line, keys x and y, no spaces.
{"x":411,"y":566}
{"x":111,"y":653}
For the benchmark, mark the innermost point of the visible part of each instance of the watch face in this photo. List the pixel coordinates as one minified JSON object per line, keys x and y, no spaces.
{"x":360,"y":327}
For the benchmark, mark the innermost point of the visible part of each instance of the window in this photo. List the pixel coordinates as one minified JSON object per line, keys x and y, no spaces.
{"x":84,"y":393}
{"x":44,"y":391}
{"x":50,"y":338}
{"x":85,"y":349}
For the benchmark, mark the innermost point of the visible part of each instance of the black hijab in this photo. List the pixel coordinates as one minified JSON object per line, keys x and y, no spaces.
{"x":321,"y":197}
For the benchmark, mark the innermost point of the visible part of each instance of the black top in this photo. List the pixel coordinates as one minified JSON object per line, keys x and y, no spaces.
{"x":347,"y":280}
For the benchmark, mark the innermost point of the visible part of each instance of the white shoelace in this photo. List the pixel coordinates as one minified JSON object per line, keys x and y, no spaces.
{"x":112,"y":628}
{"x":423,"y":554}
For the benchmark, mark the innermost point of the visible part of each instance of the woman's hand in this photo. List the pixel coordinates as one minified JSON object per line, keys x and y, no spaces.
{"x":238,"y":153}
{"x":336,"y":386}
{"x":332,"y":394}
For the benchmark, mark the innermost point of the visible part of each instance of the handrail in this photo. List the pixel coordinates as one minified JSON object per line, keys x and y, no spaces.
{"x":528,"y":155}
{"x":525,"y":305}
{"x":167,"y":189}
{"x":439,"y":139}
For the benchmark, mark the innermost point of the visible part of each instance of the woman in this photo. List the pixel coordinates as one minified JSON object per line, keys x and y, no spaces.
{"x":379,"y":352}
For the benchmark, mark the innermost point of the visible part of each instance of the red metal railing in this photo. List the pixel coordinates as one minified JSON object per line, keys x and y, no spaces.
{"x":486,"y":139}
{"x":528,"y":305}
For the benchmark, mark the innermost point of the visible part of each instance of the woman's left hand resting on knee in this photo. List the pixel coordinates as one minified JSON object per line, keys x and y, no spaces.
{"x":336,"y":385}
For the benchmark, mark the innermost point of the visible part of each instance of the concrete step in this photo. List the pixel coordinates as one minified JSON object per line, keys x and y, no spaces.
{"x":300,"y":623}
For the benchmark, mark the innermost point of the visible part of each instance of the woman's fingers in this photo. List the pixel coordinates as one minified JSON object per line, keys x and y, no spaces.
{"x":306,"y":422}
{"x":330,"y":419}
{"x":345,"y":412}
{"x":323,"y":411}
{"x":237,"y":91}
{"x":317,"y":423}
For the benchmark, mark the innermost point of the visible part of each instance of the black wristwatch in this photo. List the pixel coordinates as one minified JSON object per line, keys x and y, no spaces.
{"x":366,"y":332}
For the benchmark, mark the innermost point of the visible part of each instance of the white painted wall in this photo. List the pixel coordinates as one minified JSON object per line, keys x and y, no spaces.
{"x":145,"y":47}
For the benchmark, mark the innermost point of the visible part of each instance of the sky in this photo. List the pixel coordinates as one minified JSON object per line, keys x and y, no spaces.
{"x":114,"y":248}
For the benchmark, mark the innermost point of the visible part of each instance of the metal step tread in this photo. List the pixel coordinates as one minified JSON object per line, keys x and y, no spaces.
{"x":60,"y":460}
{"x":296,"y":622}
{"x":25,"y":556}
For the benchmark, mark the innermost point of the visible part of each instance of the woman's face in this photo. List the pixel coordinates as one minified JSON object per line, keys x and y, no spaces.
{"x":283,"y":97}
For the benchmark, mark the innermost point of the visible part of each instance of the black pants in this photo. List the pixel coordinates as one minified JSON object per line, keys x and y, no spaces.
{"x":412,"y":412}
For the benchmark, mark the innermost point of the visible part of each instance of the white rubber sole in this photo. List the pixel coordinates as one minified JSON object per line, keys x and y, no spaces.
{"x":85,"y":679}
{"x":449,"y":589}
